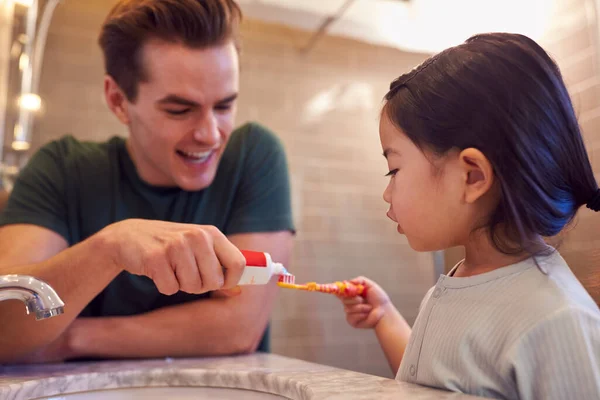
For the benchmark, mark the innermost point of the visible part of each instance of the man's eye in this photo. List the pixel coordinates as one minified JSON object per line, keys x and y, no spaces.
{"x":223,"y":107}
{"x":178,"y":112}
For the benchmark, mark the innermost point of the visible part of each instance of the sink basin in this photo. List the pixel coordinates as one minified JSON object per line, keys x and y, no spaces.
{"x":172,"y":393}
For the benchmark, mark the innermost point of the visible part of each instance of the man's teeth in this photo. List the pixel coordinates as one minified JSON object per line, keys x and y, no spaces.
{"x":199,"y":156}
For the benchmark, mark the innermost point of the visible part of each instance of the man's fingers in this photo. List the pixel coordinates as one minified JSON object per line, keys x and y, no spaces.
{"x":230,"y":258}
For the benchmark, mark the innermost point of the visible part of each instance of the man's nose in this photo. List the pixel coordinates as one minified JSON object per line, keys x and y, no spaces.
{"x":207,"y":130}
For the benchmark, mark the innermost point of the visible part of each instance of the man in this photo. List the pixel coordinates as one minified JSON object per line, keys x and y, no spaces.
{"x":139,"y":237}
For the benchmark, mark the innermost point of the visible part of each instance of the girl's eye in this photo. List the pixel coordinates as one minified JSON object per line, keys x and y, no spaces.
{"x":392,"y":172}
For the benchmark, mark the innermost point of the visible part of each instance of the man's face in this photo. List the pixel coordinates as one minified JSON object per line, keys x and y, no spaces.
{"x":184,"y":113}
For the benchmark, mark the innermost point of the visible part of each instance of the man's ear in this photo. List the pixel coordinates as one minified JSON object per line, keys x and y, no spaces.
{"x":478,"y":174}
{"x":116,"y":99}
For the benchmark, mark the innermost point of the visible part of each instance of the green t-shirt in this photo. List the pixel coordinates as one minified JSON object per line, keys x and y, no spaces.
{"x":77,"y":188}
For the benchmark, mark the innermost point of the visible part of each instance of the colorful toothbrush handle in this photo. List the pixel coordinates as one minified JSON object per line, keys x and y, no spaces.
{"x":344,"y":289}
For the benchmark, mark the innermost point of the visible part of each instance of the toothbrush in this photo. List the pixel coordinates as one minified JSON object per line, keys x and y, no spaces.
{"x":260,"y":268}
{"x":344,"y":289}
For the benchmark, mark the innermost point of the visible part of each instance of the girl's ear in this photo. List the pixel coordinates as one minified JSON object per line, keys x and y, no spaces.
{"x":478,"y":174}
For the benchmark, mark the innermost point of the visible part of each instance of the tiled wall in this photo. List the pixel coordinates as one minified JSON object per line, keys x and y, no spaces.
{"x":337,"y":169}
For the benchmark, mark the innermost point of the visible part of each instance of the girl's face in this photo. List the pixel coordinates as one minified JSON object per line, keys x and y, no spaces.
{"x":426,"y":193}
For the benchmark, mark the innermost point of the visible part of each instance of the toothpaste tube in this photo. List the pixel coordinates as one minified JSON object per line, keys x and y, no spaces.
{"x":260,"y":268}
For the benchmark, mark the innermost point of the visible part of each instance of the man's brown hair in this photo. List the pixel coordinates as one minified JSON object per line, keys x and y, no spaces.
{"x":131,"y":23}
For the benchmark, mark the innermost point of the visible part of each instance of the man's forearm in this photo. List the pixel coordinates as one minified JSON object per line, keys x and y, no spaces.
{"x":77,"y":274}
{"x":211,"y":327}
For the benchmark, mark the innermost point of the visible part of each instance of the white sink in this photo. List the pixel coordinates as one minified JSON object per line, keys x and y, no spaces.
{"x":171,"y":393}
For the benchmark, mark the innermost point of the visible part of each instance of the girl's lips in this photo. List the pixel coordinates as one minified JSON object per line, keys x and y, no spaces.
{"x":390,"y":216}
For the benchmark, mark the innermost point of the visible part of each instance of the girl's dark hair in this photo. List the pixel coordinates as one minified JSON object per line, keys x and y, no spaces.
{"x":502,"y":94}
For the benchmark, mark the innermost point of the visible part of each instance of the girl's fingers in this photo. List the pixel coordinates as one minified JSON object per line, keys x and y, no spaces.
{"x":356,"y":319}
{"x":361,"y":280}
{"x":358,"y":308}
{"x":349,"y":301}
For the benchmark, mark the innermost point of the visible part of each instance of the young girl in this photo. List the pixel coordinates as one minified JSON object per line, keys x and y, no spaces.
{"x":484,"y":151}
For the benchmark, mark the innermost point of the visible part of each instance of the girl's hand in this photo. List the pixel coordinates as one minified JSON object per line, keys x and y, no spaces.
{"x":366,"y":311}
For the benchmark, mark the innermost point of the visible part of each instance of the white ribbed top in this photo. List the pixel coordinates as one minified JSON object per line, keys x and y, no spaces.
{"x":513,"y":333}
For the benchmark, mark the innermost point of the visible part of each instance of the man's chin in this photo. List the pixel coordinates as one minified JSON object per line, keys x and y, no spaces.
{"x":197,"y":183}
{"x":193,"y":177}
{"x":194,"y":186}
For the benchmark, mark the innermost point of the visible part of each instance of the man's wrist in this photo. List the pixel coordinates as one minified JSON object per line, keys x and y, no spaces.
{"x":106,"y":248}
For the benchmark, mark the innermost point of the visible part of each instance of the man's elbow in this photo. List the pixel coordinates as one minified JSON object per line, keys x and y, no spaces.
{"x":15,"y":346}
{"x":247,"y":336}
{"x":246,"y":342}
{"x":13,"y":355}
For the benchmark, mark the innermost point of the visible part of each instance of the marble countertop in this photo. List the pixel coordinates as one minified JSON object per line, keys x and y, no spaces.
{"x":291,"y":378}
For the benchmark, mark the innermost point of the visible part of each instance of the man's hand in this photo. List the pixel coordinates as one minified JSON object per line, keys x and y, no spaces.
{"x":186,"y":257}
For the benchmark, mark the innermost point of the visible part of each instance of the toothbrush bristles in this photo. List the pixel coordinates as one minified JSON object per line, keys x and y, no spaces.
{"x":287,"y":279}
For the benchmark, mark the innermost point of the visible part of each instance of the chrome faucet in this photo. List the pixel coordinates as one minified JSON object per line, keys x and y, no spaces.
{"x":38,"y":296}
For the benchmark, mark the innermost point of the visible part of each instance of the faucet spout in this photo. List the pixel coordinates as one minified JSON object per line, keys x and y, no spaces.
{"x":38,"y":296}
